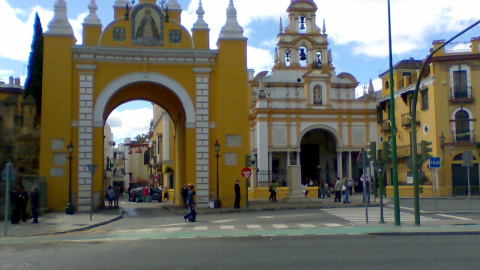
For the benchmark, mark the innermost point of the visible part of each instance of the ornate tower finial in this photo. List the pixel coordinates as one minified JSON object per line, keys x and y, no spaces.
{"x":281,"y":26}
{"x":59,"y":25}
{"x":200,"y":24}
{"x":231,"y":29}
{"x":173,"y":5}
{"x":324,"y":28}
{"x":92,"y":18}
{"x":370,"y":87}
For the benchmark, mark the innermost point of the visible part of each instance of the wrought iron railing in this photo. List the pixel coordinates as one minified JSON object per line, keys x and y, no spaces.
{"x":459,"y":93}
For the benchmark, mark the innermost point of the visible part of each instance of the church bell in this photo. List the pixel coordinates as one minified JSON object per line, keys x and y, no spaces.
{"x":303,"y":55}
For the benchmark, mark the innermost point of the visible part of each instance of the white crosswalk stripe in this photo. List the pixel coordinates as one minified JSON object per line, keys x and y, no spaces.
{"x":227,"y":227}
{"x":306,"y":225}
{"x":173,"y":229}
{"x":254,"y":227}
{"x":333,"y":225}
{"x":357,"y":215}
{"x":200,"y":228}
{"x":280,"y":226}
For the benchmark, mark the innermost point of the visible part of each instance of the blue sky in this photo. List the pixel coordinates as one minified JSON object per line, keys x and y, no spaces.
{"x":357,"y":32}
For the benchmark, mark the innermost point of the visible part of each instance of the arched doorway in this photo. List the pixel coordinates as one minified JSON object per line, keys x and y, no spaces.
{"x":460,"y":177}
{"x":159,"y":90}
{"x":318,"y":155}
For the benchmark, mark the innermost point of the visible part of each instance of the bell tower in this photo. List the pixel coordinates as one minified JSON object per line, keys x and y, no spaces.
{"x":302,"y":44}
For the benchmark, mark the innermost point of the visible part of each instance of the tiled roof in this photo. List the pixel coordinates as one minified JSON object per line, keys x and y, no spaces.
{"x":406,"y":64}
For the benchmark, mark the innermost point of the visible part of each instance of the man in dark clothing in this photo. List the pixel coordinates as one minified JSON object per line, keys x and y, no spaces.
{"x":35,"y":202}
{"x":191,"y":205}
{"x":15,"y":207}
{"x":237,"y":194}
{"x":22,"y":203}
{"x":185,"y":194}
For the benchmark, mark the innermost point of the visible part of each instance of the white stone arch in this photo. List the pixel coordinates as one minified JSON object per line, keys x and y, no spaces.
{"x":470,"y":123}
{"x":119,"y":83}
{"x":332,"y":131}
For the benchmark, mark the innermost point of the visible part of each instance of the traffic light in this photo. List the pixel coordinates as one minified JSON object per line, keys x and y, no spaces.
{"x":386,"y":151}
{"x":426,"y":150}
{"x":248,"y":161}
{"x":372,"y":151}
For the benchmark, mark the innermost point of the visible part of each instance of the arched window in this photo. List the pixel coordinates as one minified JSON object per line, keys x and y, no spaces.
{"x":462,"y":126}
{"x":288,"y":58}
{"x":302,"y":25}
{"x":387,"y":85}
{"x":303,"y":56}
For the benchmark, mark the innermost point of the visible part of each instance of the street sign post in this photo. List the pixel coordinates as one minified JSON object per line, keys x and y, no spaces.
{"x":435,"y":164}
{"x":91,"y":168}
{"x":246,"y":173}
{"x":467,"y":158}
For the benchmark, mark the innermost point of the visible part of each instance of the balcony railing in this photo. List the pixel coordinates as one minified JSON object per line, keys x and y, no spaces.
{"x":407,"y":120}
{"x":387,"y":126}
{"x":461,"y":95}
{"x":468,"y":136}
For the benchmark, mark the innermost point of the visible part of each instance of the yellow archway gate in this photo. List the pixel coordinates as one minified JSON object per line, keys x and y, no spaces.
{"x":143,"y":54}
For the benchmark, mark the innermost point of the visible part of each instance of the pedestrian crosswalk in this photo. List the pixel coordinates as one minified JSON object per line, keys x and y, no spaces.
{"x":358,"y":215}
{"x":189,"y":227}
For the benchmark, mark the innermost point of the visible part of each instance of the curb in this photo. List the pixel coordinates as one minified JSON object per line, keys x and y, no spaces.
{"x":84,"y":228}
{"x":423,"y":233}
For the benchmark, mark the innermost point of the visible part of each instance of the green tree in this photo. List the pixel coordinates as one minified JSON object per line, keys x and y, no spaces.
{"x":33,"y":84}
{"x":140,"y":138}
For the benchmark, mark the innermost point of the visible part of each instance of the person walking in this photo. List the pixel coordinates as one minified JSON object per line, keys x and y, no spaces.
{"x":304,"y":189}
{"x":15,"y":219}
{"x":191,"y":205}
{"x":237,"y":194}
{"x":274,"y":190}
{"x":184,"y":194}
{"x":350,"y":186}
{"x":321,"y":186}
{"x":345,"y":190}
{"x":338,"y":190}
{"x":326,"y":191}
{"x":166,"y":193}
{"x":110,"y":196}
{"x":35,"y":203}
{"x":22,"y":203}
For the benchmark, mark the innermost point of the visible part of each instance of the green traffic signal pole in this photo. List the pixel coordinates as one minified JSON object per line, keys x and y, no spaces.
{"x":414,"y":121}
{"x":396,"y":195}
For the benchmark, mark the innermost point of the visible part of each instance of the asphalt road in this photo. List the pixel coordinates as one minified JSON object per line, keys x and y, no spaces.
{"x":290,"y":252}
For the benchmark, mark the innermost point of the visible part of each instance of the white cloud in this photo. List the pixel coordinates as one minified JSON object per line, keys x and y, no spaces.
{"x":5,"y":73}
{"x":129,"y":123}
{"x":259,"y":59}
{"x":16,"y":35}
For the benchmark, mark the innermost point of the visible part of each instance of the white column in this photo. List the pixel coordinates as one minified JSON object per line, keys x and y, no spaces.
{"x":350,"y":176}
{"x":339,"y":165}
{"x":262,"y":145}
{"x":202,"y":76}
{"x":85,"y":138}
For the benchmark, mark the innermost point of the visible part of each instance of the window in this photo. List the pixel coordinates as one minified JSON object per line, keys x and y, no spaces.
{"x":303,"y":56}
{"x":424,"y":96}
{"x":462,"y":126}
{"x":460,"y":84}
{"x":288,"y":58}
{"x":160,"y":143}
{"x":387,"y":85}
{"x":302,"y":25}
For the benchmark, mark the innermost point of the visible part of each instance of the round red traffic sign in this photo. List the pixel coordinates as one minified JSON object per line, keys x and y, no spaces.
{"x":246,"y":172}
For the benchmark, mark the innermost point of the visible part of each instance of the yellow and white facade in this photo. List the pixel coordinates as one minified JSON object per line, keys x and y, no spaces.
{"x":446,"y":116}
{"x":304,"y":119}
{"x":145,"y":53}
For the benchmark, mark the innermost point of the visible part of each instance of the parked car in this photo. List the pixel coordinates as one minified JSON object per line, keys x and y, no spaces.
{"x":136,"y":194}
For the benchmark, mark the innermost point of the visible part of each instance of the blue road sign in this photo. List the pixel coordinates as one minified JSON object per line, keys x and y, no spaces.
{"x":435,"y":163}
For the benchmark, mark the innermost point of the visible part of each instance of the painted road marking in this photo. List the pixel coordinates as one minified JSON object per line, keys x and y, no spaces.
{"x":224,"y":221}
{"x":357,"y":215}
{"x":266,"y":217}
{"x":228,"y":227}
{"x":145,"y":230}
{"x":306,"y":225}
{"x":454,"y":217}
{"x":280,"y":226}
{"x":333,"y":225}
{"x":254,"y":227}
{"x":173,"y":229}
{"x":200,"y":228}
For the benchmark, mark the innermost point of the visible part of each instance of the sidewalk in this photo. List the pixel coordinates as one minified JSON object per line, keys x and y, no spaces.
{"x":282,"y":204}
{"x":57,"y":223}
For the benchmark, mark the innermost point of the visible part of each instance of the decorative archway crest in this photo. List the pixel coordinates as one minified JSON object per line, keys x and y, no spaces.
{"x":119,"y":83}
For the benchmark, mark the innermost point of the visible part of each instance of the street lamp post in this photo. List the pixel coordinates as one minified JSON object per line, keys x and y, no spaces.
{"x":70,"y":209}
{"x":442,"y":144}
{"x":218,"y":203}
